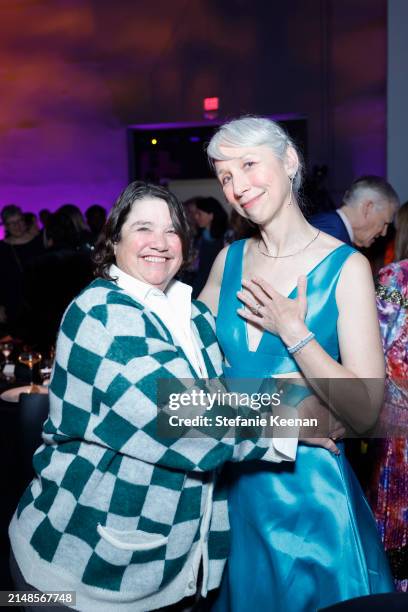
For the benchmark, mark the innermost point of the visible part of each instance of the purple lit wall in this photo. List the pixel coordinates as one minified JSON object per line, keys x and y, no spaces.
{"x":73,"y":75}
{"x":59,"y":138}
{"x":358,"y":88}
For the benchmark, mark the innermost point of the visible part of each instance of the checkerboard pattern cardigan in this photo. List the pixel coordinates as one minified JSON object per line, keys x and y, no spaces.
{"x":115,"y":512}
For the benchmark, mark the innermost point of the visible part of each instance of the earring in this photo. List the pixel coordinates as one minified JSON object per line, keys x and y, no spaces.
{"x":291,"y":179}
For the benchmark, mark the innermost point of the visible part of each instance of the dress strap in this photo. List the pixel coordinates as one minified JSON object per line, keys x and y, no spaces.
{"x":231,"y":278}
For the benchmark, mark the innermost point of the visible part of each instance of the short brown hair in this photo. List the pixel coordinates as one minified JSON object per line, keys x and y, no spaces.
{"x":401,"y":237}
{"x":104,"y":255}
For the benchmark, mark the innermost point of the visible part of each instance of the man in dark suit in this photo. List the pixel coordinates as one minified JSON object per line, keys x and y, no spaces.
{"x":367,"y":210}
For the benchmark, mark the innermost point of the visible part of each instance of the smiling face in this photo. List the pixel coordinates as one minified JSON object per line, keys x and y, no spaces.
{"x":255,"y":182}
{"x":149,"y":248}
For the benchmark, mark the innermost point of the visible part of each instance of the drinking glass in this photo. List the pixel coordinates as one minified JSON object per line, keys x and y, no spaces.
{"x":8,"y":366}
{"x":30,"y":359}
{"x":46,"y":369}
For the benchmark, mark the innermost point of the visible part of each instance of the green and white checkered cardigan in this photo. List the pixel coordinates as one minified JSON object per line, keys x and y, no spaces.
{"x":115,"y":512}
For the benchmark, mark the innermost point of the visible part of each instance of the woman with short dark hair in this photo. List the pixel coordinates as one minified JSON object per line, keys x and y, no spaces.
{"x":118,"y":513}
{"x":104,"y":255}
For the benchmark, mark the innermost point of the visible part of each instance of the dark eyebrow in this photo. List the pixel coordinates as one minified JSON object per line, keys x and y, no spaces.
{"x":142,"y":223}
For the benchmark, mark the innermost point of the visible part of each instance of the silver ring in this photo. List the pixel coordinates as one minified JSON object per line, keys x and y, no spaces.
{"x":257,"y":309}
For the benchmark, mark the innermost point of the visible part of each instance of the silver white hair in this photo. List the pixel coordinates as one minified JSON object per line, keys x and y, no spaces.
{"x":253,"y":132}
{"x":373,"y":187}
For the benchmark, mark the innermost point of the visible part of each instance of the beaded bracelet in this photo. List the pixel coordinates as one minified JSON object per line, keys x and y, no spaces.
{"x":299,"y":345}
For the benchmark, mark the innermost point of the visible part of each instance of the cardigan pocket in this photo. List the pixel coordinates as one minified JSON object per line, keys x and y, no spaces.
{"x":134,"y":540}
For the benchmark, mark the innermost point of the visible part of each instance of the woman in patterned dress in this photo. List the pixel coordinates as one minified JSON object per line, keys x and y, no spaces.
{"x":388,"y":488}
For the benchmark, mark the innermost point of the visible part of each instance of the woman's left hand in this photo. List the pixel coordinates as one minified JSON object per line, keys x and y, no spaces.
{"x":270,"y":310}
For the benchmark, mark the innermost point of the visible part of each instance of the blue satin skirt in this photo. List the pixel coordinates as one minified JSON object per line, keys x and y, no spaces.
{"x":303,"y":537}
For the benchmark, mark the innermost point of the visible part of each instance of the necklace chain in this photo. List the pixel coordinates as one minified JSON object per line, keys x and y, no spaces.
{"x":291,"y":254}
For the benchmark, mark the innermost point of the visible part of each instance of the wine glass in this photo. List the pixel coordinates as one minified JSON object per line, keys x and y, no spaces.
{"x":30,"y":359}
{"x":8,"y":367}
{"x":46,"y":369}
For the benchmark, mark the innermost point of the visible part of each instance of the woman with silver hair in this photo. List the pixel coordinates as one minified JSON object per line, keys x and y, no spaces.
{"x":294,"y":302}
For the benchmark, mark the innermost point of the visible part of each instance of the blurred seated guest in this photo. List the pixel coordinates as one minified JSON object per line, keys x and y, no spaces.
{"x":52,"y":280}
{"x":95,"y":217}
{"x":190,"y":210}
{"x":212,"y":221}
{"x":238,"y":228}
{"x":31,"y":224}
{"x":15,"y":227}
{"x":367,"y":210}
{"x":388,"y":489}
{"x":121,"y":516}
{"x":189,"y":270}
{"x":16,"y":250}
{"x":84,"y":236}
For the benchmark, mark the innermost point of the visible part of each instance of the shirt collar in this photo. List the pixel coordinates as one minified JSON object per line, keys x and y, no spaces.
{"x":346,"y":222}
{"x":178,"y":293}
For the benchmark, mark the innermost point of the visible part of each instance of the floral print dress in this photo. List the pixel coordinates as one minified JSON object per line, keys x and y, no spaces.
{"x":388,"y":488}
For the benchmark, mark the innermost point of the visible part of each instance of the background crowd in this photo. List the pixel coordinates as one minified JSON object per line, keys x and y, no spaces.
{"x":43,"y":269}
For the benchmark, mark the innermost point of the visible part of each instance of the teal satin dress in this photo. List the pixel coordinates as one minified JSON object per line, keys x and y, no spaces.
{"x":302,"y":534}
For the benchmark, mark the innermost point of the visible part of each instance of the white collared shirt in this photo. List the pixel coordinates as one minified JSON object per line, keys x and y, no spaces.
{"x":173,"y":307}
{"x":346,"y":222}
